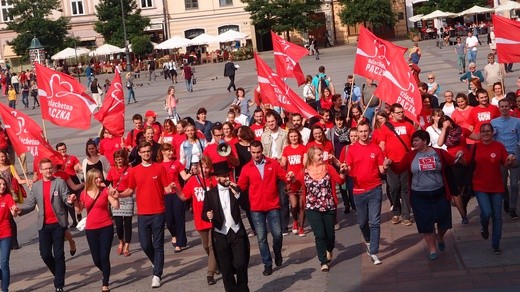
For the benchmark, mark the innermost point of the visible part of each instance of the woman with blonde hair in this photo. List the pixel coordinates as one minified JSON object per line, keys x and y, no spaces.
{"x":319,"y":180}
{"x":98,"y":228}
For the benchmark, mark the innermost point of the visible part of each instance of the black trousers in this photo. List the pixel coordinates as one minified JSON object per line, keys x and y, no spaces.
{"x":232,"y":83}
{"x":232,"y":254}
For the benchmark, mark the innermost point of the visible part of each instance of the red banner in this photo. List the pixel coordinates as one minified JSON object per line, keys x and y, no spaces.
{"x":286,"y":56}
{"x":507,"y":36}
{"x":373,"y":55}
{"x":398,"y":84}
{"x":63,"y":99}
{"x":25,"y":134}
{"x":278,"y":93}
{"x":112,"y":112}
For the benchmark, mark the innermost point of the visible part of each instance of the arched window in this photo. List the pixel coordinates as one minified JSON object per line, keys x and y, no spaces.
{"x":192,"y":33}
{"x":225,"y":28}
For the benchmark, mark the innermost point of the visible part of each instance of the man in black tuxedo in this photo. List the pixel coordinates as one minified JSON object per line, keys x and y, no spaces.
{"x":230,"y":242}
{"x":229,"y":71}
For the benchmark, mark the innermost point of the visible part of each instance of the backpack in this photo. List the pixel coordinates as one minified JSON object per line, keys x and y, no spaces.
{"x":322,"y":83}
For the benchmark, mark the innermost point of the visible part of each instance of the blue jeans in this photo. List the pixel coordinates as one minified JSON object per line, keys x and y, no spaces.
{"x":89,"y":81}
{"x":461,"y":62}
{"x":100,"y":242}
{"x":12,"y":104}
{"x":322,"y":225}
{"x":261,"y":220}
{"x":151,"y":237}
{"x":25,"y":98}
{"x":472,"y":56}
{"x":189,"y":84}
{"x":491,"y":207}
{"x":51,"y":238}
{"x":5,"y":252}
{"x":131,"y":94}
{"x":368,"y":206}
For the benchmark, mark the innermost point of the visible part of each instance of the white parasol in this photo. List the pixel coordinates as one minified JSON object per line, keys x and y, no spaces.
{"x":230,"y":36}
{"x":476,"y":10}
{"x":106,"y":49}
{"x":70,"y":53}
{"x":204,"y":39}
{"x":173,"y":43}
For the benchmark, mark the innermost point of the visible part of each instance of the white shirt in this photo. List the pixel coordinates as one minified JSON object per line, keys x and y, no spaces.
{"x":225,"y":201}
{"x":472,"y":43}
{"x":274,"y":152}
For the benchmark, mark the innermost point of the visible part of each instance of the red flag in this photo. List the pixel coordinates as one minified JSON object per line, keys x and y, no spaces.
{"x":25,"y":134}
{"x":112,"y":112}
{"x":373,"y":55}
{"x":507,"y":35}
{"x":398,"y":84}
{"x":63,"y":99}
{"x":286,"y":56}
{"x":279,"y":93}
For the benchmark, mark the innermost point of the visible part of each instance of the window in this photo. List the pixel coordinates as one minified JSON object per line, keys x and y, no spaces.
{"x":191,"y":4}
{"x":225,"y":2}
{"x":225,"y":28}
{"x":192,"y":33}
{"x":77,"y":7}
{"x":5,"y":6}
{"x":146,"y":3}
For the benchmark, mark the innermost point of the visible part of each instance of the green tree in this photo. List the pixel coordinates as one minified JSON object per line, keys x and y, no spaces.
{"x":141,"y":45}
{"x":282,"y":16}
{"x":109,"y":23}
{"x":371,"y":13}
{"x":454,"y":6}
{"x":32,"y":19}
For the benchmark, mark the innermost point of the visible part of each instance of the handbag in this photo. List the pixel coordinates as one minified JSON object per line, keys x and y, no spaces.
{"x":194,"y":80}
{"x":467,"y":188}
{"x":83,"y":222}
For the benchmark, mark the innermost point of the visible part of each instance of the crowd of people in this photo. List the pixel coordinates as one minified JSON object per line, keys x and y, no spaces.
{"x":272,"y":165}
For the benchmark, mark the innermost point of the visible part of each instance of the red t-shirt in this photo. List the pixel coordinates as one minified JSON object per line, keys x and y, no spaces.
{"x":157,"y":130}
{"x":99,"y":214}
{"x":168,"y":138}
{"x":294,"y":157}
{"x":193,"y":189}
{"x":50,"y":216}
{"x":325,"y":147}
{"x":61,"y":174}
{"x":177,"y":142}
{"x":488,"y":158}
{"x":258,"y":130}
{"x":130,"y":138}
{"x":3,"y":140}
{"x":119,"y":177}
{"x":173,"y":169}
{"x":377,"y":136}
{"x":394,"y":149}
{"x":452,"y":150}
{"x":69,"y":161}
{"x":425,"y":119}
{"x":148,"y":183}
{"x":326,"y":103}
{"x":480,"y":116}
{"x":108,"y":146}
{"x":461,"y":118}
{"x":6,"y":202}
{"x":364,"y":162}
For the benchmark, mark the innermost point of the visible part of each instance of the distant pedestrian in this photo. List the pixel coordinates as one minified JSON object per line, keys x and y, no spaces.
{"x":151,"y":69}
{"x":229,"y":71}
{"x":187,"y":72}
{"x":130,"y":87}
{"x":460,"y":50}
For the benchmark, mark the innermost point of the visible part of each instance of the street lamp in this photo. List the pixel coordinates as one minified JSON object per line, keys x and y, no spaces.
{"x":36,"y":51}
{"x":127,"y":51}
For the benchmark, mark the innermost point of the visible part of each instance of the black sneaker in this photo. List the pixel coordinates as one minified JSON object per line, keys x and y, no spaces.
{"x":513,"y":214}
{"x":211,"y":280}
{"x":484,"y":232}
{"x":496,"y":251}
{"x":506,"y":206}
{"x":278,"y":259}
{"x":268,"y":270}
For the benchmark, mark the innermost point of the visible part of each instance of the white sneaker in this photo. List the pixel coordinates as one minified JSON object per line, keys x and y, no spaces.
{"x":156,"y":282}
{"x":375,"y":259}
{"x":324,"y":268}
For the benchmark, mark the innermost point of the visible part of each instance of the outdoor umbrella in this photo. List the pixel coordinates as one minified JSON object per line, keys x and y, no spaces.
{"x":438,"y":14}
{"x":204,"y":39}
{"x":507,"y":6}
{"x":174,"y":42}
{"x":231,"y":35}
{"x":476,"y":10}
{"x":416,"y":18}
{"x":106,"y":49}
{"x":70,"y":53}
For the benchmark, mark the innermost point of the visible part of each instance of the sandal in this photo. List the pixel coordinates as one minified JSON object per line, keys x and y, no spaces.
{"x":72,"y":248}
{"x":127,"y":253}
{"x":119,"y":250}
{"x":177,"y":249}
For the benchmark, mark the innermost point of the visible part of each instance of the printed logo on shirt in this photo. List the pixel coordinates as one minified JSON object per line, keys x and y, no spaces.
{"x":400,"y":130}
{"x":427,"y":163}
{"x":325,"y":155}
{"x":372,"y":155}
{"x":154,"y":177}
{"x":55,"y":193}
{"x":259,"y":132}
{"x":270,"y":168}
{"x":484,"y":116}
{"x":493,"y":155}
{"x":199,"y":193}
{"x":2,"y":205}
{"x":294,"y":159}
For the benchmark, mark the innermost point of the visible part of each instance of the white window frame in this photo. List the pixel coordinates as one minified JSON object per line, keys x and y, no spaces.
{"x":224,"y":3}
{"x":191,"y":4}
{"x":78,"y":4}
{"x":5,"y":8}
{"x":147,"y":4}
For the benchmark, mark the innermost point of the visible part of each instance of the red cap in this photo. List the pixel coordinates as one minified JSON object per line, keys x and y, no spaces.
{"x":150,"y":113}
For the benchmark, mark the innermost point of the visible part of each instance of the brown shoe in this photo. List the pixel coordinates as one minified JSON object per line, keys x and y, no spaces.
{"x":407,"y":222}
{"x":395,"y":220}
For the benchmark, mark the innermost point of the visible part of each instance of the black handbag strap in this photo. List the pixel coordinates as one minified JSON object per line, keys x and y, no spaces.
{"x":93,"y":203}
{"x":392,"y":128}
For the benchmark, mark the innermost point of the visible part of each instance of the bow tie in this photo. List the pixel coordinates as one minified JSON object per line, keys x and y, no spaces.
{"x":222,"y":189}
